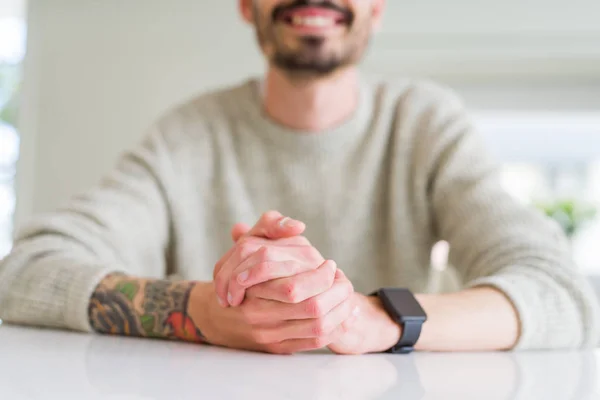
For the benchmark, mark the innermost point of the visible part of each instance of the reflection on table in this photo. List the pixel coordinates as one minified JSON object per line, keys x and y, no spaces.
{"x":38,"y":364}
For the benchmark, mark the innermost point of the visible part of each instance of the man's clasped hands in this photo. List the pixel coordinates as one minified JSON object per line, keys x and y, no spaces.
{"x":274,"y":292}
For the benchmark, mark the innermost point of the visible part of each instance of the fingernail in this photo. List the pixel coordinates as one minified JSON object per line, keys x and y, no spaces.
{"x":356,"y":311}
{"x":221,"y":302}
{"x":287,"y":222}
{"x":284,"y":221}
{"x":243,"y":277}
{"x":230,"y":298}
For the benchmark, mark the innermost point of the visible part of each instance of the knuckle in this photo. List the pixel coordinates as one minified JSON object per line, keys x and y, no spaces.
{"x":319,"y":328}
{"x":315,"y":308}
{"x":270,"y":215}
{"x":261,"y":269}
{"x":329,"y":277}
{"x":290,"y":292}
{"x":249,"y":316}
{"x":259,"y":336}
{"x":318,"y":342}
{"x":246,"y":248}
{"x":266,"y":253}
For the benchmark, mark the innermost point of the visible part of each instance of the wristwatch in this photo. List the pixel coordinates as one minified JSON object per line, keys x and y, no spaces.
{"x":402,"y":306}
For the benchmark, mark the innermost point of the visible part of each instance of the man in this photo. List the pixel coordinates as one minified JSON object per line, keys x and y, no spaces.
{"x":372,"y":173}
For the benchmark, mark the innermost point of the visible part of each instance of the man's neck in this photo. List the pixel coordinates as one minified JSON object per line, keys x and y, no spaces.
{"x":311,"y":105}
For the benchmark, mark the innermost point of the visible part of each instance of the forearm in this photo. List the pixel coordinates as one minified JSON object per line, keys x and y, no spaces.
{"x":128,"y":306}
{"x":478,"y":319}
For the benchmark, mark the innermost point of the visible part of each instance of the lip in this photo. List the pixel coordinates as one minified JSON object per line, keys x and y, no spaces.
{"x":313,"y":30}
{"x":313,"y":11}
{"x":313,"y":20}
{"x":340,"y":16}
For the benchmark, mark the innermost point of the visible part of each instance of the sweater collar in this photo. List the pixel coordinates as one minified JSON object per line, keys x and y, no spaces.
{"x":327,"y":141}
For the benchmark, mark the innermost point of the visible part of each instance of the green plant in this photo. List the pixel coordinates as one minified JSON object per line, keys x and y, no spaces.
{"x":9,"y":90}
{"x":571,"y":215}
{"x":8,"y":113}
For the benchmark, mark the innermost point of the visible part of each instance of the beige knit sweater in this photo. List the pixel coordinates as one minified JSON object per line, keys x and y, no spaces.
{"x":376,"y":193}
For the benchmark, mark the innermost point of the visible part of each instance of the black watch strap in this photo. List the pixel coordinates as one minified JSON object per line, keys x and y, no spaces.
{"x":403,"y":308}
{"x":411,"y":330}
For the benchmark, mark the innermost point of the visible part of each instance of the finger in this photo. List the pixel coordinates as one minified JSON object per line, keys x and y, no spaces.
{"x":243,"y":252}
{"x":309,"y":328}
{"x":292,"y":346}
{"x":256,"y":269}
{"x":299,"y":287}
{"x":272,"y":258}
{"x":269,"y":311}
{"x":239,"y":230}
{"x":273,"y":225}
{"x":245,"y":247}
{"x":223,"y":272}
{"x":237,"y":285}
{"x":292,"y":241}
{"x":218,"y":270}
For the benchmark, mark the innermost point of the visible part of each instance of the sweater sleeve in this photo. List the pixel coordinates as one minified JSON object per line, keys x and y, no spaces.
{"x":495,"y":241}
{"x":58,"y":259}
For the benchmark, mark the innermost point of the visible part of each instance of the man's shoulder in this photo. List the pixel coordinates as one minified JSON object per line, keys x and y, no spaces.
{"x":218,"y":103}
{"x":415,"y":94}
{"x":425,"y":113}
{"x":202,"y":121}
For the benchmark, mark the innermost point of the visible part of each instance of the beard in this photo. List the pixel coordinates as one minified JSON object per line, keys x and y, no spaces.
{"x":310,"y":56}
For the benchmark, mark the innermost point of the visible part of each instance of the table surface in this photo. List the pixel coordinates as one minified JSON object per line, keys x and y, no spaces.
{"x":46,"y":364}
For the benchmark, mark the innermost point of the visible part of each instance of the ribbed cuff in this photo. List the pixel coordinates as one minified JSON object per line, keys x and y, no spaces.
{"x":81,"y":286}
{"x":548,"y":314}
{"x":48,"y":292}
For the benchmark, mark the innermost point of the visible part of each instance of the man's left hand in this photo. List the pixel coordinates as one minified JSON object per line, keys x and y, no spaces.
{"x":373,"y":331}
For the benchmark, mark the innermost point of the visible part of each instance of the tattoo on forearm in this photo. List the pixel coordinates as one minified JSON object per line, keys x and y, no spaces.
{"x":135,"y":307}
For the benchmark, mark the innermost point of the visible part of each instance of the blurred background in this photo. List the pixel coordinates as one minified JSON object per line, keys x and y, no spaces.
{"x":80,"y":80}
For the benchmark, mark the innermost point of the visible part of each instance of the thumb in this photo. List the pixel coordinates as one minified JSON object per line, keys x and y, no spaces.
{"x":239,"y":230}
{"x":273,"y":225}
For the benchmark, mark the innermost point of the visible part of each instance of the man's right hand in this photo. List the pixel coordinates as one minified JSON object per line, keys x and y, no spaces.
{"x":283,"y":326}
{"x":294,"y":300}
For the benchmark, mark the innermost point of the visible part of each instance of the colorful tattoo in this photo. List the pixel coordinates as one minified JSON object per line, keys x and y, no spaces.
{"x":136,"y":307}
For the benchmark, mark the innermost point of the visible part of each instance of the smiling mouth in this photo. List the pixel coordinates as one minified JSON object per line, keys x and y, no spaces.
{"x":314,"y":17}
{"x":314,"y":21}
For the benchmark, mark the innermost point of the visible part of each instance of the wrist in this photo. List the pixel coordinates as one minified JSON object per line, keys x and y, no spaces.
{"x":200,"y":305}
{"x":386,"y":330}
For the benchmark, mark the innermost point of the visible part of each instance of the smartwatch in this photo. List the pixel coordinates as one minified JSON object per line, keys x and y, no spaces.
{"x":402,"y":306}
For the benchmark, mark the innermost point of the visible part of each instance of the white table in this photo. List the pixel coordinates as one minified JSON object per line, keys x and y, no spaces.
{"x":38,"y":364}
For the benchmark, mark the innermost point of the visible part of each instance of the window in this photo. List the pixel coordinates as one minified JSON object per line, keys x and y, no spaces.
{"x":552,"y":161}
{"x":530,"y":73}
{"x":12,"y":45}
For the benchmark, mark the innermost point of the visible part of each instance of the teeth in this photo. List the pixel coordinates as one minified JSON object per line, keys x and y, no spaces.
{"x":312,"y":21}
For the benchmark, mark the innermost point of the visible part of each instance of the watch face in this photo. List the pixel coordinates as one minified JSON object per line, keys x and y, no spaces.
{"x":405,"y":304}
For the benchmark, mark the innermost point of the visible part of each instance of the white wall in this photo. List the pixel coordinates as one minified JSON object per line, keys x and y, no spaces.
{"x":12,"y":8}
{"x":98,"y":72}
